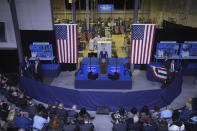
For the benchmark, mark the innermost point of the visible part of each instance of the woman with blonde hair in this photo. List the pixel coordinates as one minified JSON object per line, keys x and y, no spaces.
{"x":56,"y":124}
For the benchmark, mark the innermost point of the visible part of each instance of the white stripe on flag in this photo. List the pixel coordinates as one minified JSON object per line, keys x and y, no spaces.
{"x":147,"y":43}
{"x":71,"y":43}
{"x":139,"y":51}
{"x":143,"y":47}
{"x":65,"y":50}
{"x":58,"y":48}
{"x":68,"y":44}
{"x":75,"y":43}
{"x":151,"y":43}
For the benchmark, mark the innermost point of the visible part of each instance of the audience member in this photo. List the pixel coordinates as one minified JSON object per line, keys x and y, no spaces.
{"x":21,"y":101}
{"x":56,"y":124}
{"x":23,"y":122}
{"x":155,"y":114}
{"x":82,"y":115}
{"x":133,"y":112}
{"x":119,"y":117}
{"x":62,"y":112}
{"x":73,"y":112}
{"x":31,"y":109}
{"x":167,"y":113}
{"x":144,"y":113}
{"x":176,"y":126}
{"x":149,"y":125}
{"x":40,"y":121}
{"x":4,"y":110}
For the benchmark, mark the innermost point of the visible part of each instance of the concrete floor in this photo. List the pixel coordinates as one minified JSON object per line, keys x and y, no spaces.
{"x":67,"y":79}
{"x":139,"y":82}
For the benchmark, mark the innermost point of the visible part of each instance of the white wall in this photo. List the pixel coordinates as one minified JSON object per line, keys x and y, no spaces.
{"x":34,"y":14}
{"x":5,"y":16}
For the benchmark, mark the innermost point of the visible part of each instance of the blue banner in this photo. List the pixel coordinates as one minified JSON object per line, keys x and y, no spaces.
{"x":105,"y":7}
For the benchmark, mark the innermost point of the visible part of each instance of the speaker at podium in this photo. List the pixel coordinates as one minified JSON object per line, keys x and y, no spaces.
{"x":103,"y":58}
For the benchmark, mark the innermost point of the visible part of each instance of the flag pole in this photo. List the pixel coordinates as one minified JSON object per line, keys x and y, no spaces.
{"x":135,"y":13}
{"x":74,"y":11}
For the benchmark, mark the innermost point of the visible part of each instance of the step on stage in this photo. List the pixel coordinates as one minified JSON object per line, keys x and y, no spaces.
{"x":116,"y":77}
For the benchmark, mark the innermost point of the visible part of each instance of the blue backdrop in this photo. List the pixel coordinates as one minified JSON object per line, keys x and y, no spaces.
{"x":92,"y":99}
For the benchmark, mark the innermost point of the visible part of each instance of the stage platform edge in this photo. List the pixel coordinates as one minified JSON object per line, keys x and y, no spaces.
{"x":103,"y":84}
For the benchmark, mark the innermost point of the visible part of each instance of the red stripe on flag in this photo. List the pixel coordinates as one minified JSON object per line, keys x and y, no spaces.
{"x":73,"y":45}
{"x":154,"y":28}
{"x":58,"y":52}
{"x":150,"y":45}
{"x":147,"y":44}
{"x":66,"y":51}
{"x":62,"y":47}
{"x":70,"y":44}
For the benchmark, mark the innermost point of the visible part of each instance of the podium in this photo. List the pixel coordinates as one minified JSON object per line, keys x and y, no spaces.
{"x":103,"y":66}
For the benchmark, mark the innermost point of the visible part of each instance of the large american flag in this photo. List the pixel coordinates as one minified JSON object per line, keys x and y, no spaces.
{"x":66,"y":38}
{"x":142,"y":43}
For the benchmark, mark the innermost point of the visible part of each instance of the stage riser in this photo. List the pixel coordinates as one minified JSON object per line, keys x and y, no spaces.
{"x":102,"y":84}
{"x":117,"y":76}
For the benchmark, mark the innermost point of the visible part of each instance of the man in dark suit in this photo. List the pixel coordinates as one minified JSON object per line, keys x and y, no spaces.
{"x":26,"y":67}
{"x":171,"y":69}
{"x":36,"y":70}
{"x":103,"y":57}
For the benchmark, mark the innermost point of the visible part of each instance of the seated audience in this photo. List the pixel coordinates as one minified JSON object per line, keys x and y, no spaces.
{"x":56,"y":124}
{"x":31,"y":109}
{"x":144,"y":113}
{"x":167,"y":113}
{"x":176,"y":126}
{"x":21,"y":101}
{"x":40,"y":120}
{"x":51,"y":109}
{"x":162,"y":125}
{"x":73,"y":112}
{"x":4,"y":110}
{"x":149,"y":125}
{"x":61,"y":111}
{"x":119,"y":117}
{"x":186,"y":113}
{"x":155,"y":114}
{"x":82,"y":115}
{"x":133,"y":112}
{"x":87,"y":126}
{"x":23,"y":122}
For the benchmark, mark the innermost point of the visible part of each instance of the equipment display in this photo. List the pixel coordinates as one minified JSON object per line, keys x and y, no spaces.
{"x":167,"y":49}
{"x":173,"y":50}
{"x":42,"y":50}
{"x":188,"y":49}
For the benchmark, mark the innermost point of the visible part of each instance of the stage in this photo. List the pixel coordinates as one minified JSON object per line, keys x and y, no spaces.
{"x":83,"y":79}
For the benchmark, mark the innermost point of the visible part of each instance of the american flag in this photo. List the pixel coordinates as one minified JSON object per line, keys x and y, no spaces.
{"x":142,"y":43}
{"x":66,"y":38}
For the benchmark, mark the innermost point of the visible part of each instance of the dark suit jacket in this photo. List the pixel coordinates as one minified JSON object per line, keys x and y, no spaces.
{"x":25,"y":64}
{"x":103,"y":54}
{"x":33,"y":68}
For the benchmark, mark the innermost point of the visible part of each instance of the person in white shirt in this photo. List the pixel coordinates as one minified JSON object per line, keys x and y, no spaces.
{"x":176,"y":126}
{"x":39,"y":121}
